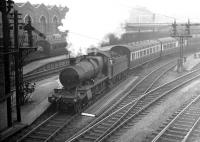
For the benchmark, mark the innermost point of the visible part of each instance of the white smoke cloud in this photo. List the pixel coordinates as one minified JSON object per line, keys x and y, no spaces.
{"x":89,"y":21}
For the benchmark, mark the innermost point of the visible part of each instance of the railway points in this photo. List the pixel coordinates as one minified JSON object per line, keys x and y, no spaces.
{"x":111,"y":137}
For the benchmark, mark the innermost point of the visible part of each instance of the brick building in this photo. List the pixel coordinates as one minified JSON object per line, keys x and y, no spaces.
{"x":44,"y":18}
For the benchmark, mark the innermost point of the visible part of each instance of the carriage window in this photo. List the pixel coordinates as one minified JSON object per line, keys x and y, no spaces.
{"x":158,"y":48}
{"x":150,"y":50}
{"x":153,"y":49}
{"x":138,"y":54}
{"x":133,"y":56}
{"x":144,"y":52}
{"x":147,"y":51}
{"x":164,"y":46}
{"x":141,"y":54}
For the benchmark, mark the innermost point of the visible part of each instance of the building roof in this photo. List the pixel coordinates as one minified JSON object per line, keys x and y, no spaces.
{"x":47,"y":7}
{"x":166,"y":39}
{"x":137,"y":45}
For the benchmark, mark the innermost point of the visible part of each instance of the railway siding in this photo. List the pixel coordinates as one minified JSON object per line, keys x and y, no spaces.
{"x":184,"y":125}
{"x":142,"y":104}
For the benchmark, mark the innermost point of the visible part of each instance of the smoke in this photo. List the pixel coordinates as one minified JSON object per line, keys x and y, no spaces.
{"x":89,"y":21}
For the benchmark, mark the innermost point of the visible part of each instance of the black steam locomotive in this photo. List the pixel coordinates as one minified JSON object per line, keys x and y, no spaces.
{"x":100,"y":70}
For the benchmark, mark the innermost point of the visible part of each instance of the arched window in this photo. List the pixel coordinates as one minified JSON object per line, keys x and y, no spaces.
{"x":55,"y":24}
{"x":26,"y":18}
{"x":43,"y":24}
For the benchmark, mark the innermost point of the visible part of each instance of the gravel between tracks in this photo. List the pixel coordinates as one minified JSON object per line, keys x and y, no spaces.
{"x":161,"y":113}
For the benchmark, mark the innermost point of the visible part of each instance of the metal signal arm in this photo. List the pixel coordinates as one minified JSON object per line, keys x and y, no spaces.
{"x":29,"y":28}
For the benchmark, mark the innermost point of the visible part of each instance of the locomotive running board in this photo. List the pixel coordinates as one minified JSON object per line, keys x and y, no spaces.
{"x":87,"y":114}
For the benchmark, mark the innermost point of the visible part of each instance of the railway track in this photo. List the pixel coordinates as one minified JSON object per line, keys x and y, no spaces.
{"x":45,"y":130}
{"x":67,"y":129}
{"x":132,"y":110}
{"x":184,"y":127}
{"x":144,"y":85}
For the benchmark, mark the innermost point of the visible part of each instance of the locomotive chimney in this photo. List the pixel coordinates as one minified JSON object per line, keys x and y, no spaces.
{"x":72,"y":61}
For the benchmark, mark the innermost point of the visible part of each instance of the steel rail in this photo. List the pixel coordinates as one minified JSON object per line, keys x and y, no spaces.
{"x":117,"y":101}
{"x":191,"y":130}
{"x":120,"y":124}
{"x":102,"y":136}
{"x":130,"y":102}
{"x":19,"y":140}
{"x":175,"y":118}
{"x":46,"y":135}
{"x":173,"y":121}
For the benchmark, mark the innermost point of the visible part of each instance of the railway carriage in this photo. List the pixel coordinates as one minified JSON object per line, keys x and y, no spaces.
{"x":169,"y":45}
{"x":139,"y":52}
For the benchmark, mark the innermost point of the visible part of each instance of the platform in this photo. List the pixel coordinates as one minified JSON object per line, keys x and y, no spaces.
{"x":33,"y":109}
{"x":36,"y":64}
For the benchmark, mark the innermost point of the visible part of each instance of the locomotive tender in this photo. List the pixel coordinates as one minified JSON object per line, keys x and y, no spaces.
{"x":101,"y":69}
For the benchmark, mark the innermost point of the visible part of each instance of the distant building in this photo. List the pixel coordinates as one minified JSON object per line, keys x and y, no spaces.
{"x":142,"y":20}
{"x":45,"y":18}
{"x":143,"y":15}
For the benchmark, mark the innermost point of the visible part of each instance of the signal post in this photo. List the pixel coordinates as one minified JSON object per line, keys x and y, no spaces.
{"x":181,"y":37}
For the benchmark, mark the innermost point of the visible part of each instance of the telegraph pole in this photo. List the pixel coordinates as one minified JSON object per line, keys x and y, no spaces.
{"x":18,"y":73}
{"x":5,"y":9}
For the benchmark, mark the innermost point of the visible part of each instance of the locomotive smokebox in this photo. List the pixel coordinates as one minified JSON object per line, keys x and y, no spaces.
{"x":88,"y":68}
{"x":72,"y":61}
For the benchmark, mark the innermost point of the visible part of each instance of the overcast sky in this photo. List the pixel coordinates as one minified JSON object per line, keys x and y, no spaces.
{"x":89,"y":20}
{"x":179,"y":8}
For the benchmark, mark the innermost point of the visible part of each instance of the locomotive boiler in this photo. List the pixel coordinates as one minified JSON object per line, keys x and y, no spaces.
{"x":81,"y":73}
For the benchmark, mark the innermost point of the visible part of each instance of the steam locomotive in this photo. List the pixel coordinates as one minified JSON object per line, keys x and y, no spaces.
{"x":102,"y":69}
